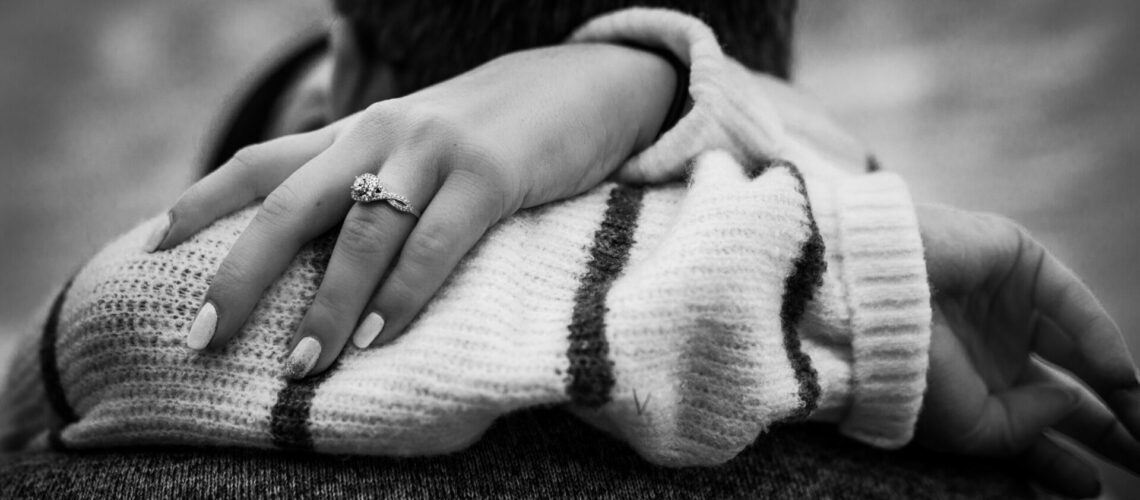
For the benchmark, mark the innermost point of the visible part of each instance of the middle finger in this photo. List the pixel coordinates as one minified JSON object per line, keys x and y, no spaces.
{"x":370,"y":239}
{"x":307,"y":204}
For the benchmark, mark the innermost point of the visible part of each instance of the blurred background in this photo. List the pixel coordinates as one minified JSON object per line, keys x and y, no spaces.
{"x":1027,"y":108}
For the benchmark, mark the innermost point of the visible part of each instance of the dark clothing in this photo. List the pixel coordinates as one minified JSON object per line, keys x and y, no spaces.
{"x":535,"y":454}
{"x":428,"y":41}
{"x":541,"y":453}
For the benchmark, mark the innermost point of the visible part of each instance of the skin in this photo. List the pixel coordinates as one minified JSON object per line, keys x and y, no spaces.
{"x":525,"y":129}
{"x":1021,"y":351}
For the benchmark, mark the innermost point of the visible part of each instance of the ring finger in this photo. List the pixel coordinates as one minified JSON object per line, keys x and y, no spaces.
{"x":307,"y":204}
{"x":370,"y":239}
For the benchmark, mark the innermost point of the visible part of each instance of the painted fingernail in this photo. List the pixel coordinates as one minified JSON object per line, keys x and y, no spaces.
{"x":202,"y":329}
{"x":368,"y":330}
{"x":156,"y":238}
{"x":303,"y":358}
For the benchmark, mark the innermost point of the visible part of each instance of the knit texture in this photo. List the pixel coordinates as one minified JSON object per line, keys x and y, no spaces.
{"x":732,"y":110}
{"x":676,"y":344}
{"x":542,"y":453}
{"x":683,"y":319}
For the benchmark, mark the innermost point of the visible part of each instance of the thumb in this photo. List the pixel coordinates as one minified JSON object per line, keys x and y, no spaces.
{"x":1012,"y":420}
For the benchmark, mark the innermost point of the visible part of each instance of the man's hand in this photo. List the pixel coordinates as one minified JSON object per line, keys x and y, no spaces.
{"x":525,"y":129}
{"x":1020,"y":347}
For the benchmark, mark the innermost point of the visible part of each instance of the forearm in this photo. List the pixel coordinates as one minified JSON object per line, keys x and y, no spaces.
{"x":682,"y":293}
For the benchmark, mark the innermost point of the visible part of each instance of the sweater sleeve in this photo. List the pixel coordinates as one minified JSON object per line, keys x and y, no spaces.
{"x":730,"y":108}
{"x":685,"y":320}
{"x":875,"y":298}
{"x":874,"y":294}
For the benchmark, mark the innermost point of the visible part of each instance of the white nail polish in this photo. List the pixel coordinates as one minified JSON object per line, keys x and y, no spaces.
{"x":157,"y":235}
{"x":303,"y":358}
{"x":368,"y":330}
{"x":202,"y":330}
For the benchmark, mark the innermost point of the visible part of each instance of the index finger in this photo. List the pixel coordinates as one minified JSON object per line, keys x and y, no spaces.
{"x":252,"y":173}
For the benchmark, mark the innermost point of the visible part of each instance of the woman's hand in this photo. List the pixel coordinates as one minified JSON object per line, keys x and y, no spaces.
{"x":522,"y":130}
{"x":1006,"y":313}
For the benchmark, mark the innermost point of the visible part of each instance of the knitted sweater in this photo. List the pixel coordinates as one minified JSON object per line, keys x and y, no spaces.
{"x":683,"y":318}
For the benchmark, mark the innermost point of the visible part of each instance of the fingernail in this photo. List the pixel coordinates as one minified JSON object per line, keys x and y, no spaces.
{"x":303,"y":358}
{"x":156,"y":238}
{"x":202,"y":329}
{"x":367,"y":331}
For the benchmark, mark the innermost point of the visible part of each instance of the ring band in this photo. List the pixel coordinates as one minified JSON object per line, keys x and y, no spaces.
{"x":366,"y":188}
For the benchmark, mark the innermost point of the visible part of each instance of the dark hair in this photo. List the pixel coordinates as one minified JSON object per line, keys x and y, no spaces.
{"x":431,"y":40}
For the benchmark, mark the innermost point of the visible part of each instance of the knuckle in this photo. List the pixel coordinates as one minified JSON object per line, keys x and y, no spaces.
{"x":279,"y":207}
{"x":230,"y":275}
{"x":495,"y":174}
{"x":988,"y":433}
{"x":422,"y":124}
{"x":493,"y":192}
{"x":428,"y":246}
{"x":360,"y":233}
{"x":383,"y":114}
{"x":397,"y":296}
{"x":326,"y":313}
{"x":414,"y":127}
{"x":432,"y":125}
{"x":248,"y":157}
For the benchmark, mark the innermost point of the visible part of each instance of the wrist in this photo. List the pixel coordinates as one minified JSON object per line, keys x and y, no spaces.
{"x":680,"y":102}
{"x":642,"y":90}
{"x":664,"y":80}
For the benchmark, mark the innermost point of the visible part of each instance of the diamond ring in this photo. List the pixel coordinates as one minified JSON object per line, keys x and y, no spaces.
{"x":368,"y":189}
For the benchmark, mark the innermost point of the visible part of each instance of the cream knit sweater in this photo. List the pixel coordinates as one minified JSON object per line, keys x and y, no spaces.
{"x":683,"y":318}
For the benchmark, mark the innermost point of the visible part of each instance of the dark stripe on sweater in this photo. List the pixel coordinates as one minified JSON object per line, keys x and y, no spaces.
{"x":591,"y":375}
{"x":289,"y":418}
{"x":49,"y":369}
{"x":800,"y":288}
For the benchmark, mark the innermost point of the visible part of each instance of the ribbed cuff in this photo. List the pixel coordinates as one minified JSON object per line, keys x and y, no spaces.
{"x":889,"y":303}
